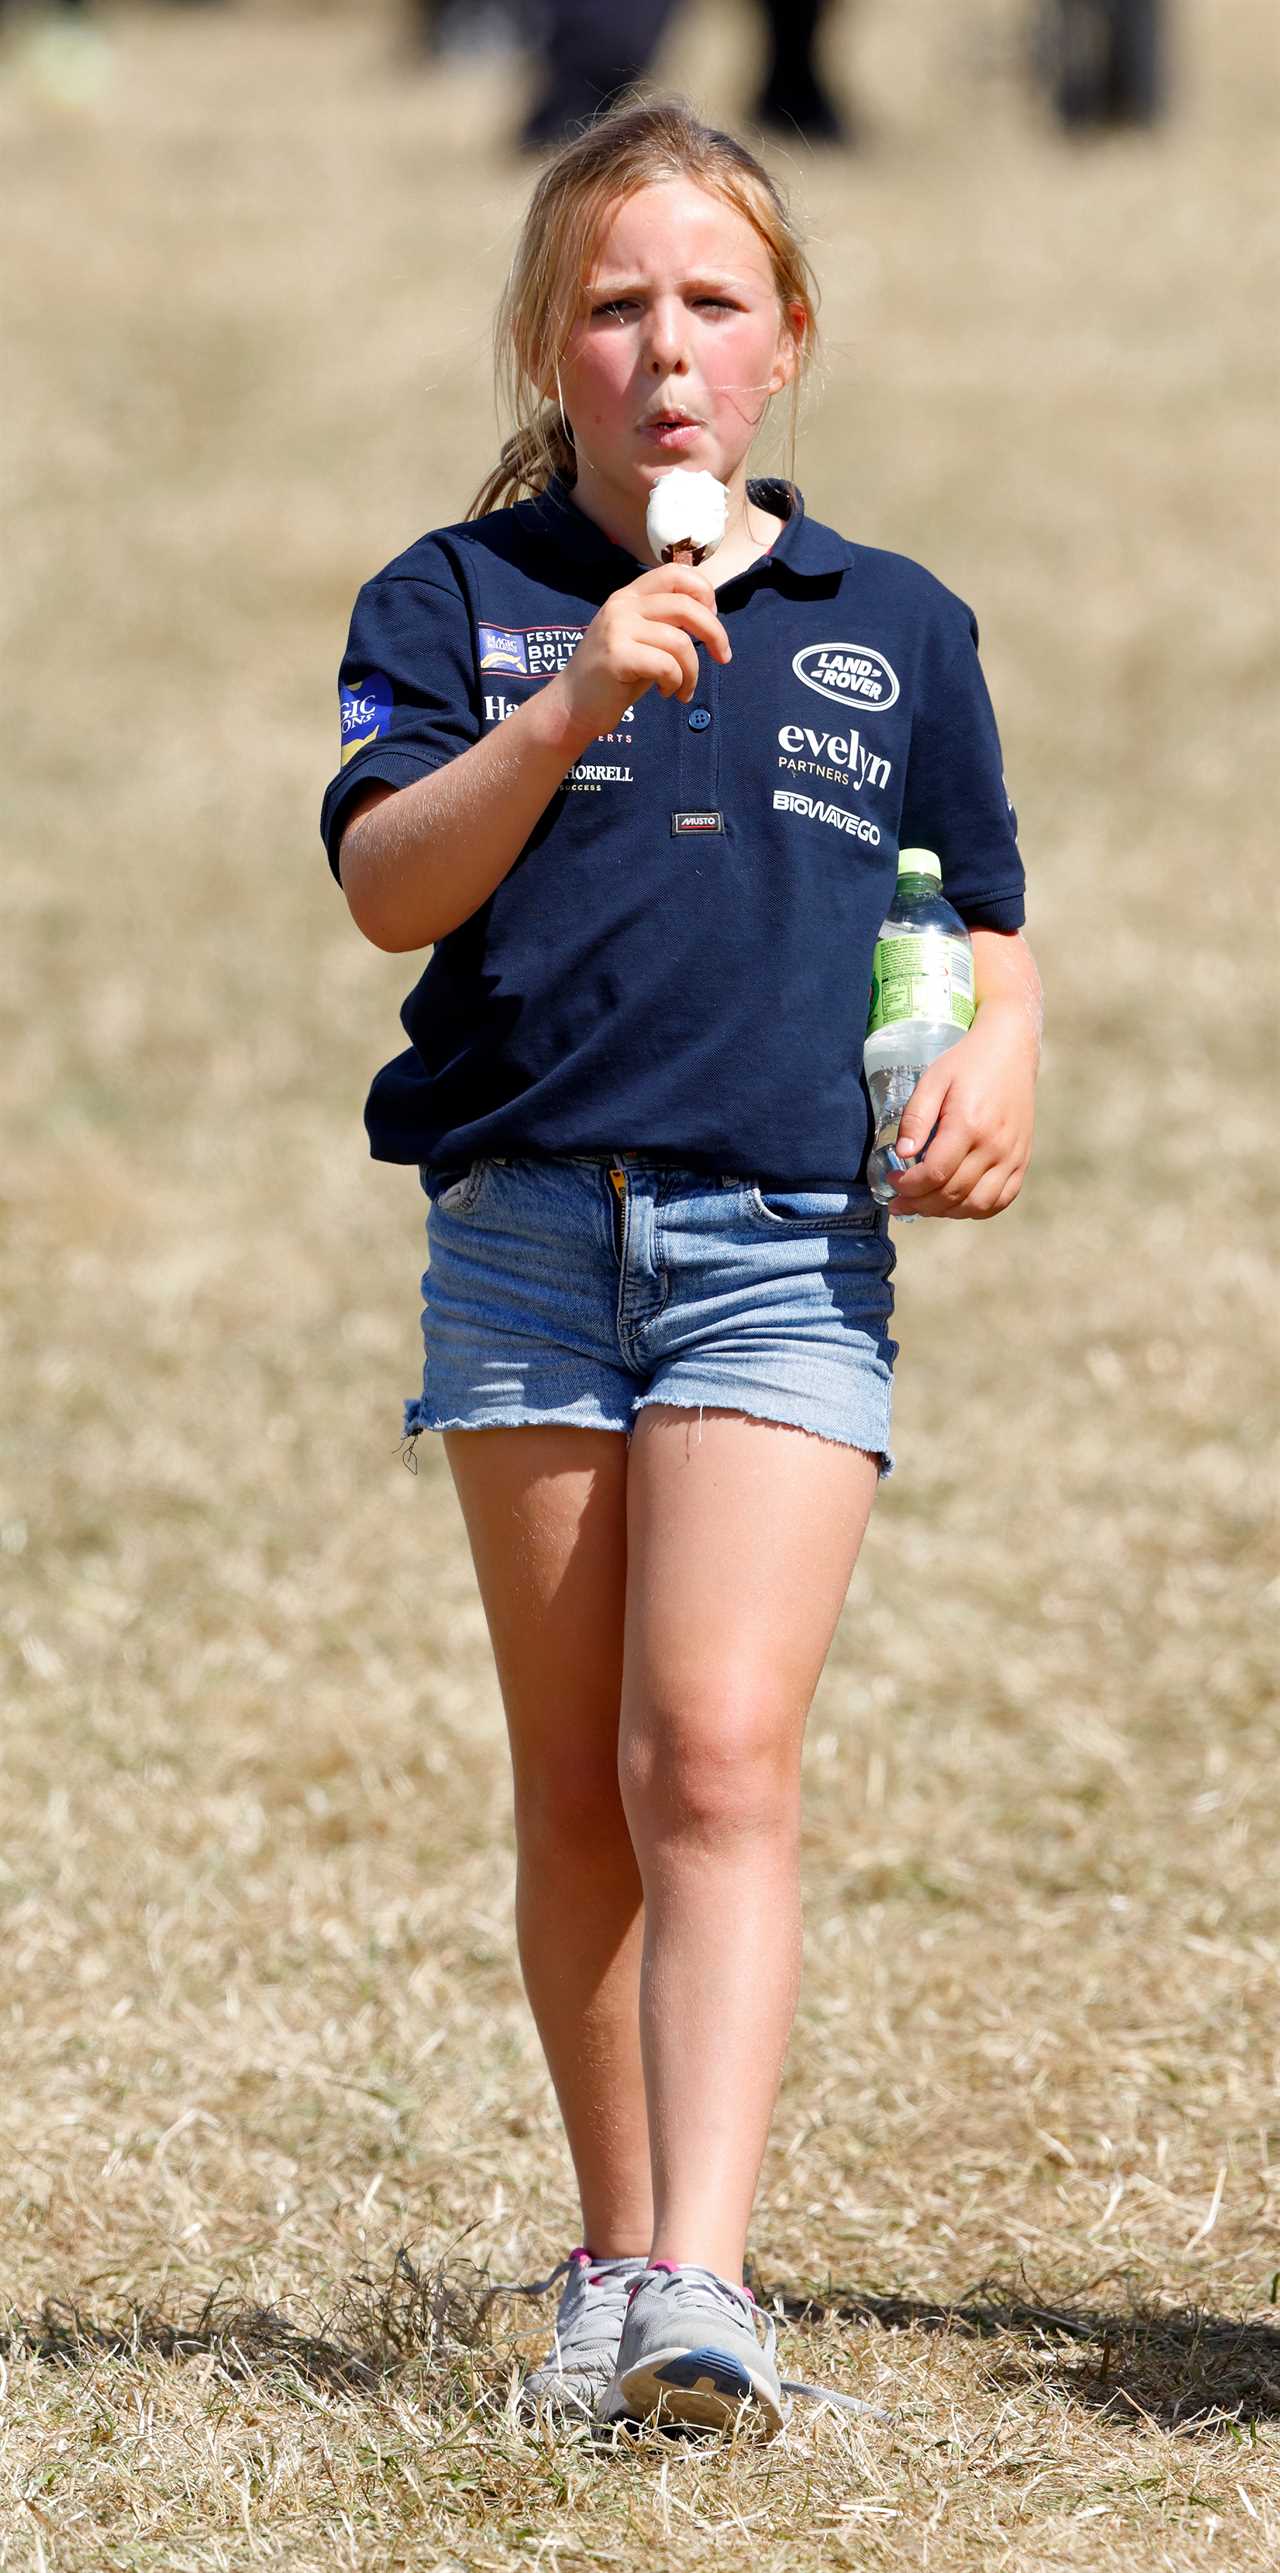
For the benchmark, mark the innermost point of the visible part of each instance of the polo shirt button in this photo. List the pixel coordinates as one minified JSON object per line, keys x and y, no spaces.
{"x":699,"y":719}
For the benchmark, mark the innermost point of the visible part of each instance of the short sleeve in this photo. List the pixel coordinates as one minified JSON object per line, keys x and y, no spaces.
{"x":406,"y":692}
{"x":955,"y":800}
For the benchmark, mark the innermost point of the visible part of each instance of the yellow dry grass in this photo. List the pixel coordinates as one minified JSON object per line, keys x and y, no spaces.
{"x":274,"y":2112}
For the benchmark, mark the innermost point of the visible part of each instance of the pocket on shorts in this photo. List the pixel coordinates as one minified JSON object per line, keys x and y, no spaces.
{"x":816,"y":1210}
{"x":455,"y":1193}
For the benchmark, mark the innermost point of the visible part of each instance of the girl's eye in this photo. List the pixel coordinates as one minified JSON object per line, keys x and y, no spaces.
{"x":619,"y":304}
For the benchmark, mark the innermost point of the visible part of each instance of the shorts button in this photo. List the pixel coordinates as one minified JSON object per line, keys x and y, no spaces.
{"x":699,"y":719}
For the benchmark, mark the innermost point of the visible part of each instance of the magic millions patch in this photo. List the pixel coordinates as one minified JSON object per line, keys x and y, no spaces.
{"x":364,"y":713}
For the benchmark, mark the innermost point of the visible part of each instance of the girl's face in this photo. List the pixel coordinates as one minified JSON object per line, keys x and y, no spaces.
{"x":681,"y":346}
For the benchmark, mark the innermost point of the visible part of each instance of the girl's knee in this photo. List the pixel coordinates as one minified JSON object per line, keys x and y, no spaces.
{"x":726,"y":1774}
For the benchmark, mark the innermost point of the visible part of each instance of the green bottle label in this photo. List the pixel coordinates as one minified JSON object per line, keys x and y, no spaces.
{"x":914,"y":979}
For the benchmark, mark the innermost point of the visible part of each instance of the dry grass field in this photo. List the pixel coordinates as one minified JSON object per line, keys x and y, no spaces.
{"x":273,"y":2110}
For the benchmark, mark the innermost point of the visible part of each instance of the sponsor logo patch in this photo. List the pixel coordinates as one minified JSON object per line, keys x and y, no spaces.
{"x":527,"y":651}
{"x":696,"y":823}
{"x":849,"y":674}
{"x":364,"y":713}
{"x":588,"y":776}
{"x":811,"y":809}
{"x":498,"y":708}
{"x":840,"y":756}
{"x":501,"y":649}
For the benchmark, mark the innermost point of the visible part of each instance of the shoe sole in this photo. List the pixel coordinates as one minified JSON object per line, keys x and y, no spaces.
{"x":702,"y":2385}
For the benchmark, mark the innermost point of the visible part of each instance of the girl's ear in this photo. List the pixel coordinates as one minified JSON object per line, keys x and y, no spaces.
{"x":790,"y":346}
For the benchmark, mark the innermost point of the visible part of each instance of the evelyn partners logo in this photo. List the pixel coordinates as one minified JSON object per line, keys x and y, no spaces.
{"x":848,"y":674}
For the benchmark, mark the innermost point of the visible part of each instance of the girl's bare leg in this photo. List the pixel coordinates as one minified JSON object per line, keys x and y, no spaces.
{"x":545,"y":1511}
{"x":741,"y":1545}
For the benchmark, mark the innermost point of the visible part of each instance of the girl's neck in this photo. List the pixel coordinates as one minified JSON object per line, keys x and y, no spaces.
{"x":750,"y":531}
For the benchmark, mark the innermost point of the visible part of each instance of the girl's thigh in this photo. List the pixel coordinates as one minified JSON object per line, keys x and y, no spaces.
{"x":742,"y":1536}
{"x":545,"y":1509}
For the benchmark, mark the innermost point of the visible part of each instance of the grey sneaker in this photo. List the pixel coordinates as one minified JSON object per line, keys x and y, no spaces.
{"x":691,"y":2351}
{"x":580,"y":2363}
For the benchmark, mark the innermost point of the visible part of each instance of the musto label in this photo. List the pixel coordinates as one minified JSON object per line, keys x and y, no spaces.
{"x":849,"y":674}
{"x":912,"y":978}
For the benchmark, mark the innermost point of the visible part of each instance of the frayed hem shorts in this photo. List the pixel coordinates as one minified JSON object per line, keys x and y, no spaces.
{"x":581,"y":1287}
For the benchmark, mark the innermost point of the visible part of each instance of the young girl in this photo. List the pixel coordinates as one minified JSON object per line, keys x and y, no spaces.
{"x":648,"y":820}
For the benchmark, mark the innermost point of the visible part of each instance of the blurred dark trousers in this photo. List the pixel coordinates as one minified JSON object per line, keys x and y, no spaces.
{"x":792,"y":92}
{"x":591,"y":50}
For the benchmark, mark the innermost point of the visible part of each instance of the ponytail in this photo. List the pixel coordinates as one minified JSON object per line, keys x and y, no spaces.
{"x":539,"y":449}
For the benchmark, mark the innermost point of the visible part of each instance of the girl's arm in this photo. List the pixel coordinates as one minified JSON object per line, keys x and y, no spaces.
{"x":416,"y":861}
{"x":980,"y":1093}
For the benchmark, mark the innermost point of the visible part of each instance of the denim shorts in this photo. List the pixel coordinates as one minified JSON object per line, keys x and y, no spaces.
{"x":581,"y":1287}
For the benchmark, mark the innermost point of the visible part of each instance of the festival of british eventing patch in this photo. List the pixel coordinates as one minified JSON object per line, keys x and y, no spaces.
{"x":529,"y":651}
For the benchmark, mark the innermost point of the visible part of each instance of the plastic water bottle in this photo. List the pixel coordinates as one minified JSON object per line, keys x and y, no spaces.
{"x":921,"y":1002}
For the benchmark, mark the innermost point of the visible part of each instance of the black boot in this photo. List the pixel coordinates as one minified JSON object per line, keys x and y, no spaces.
{"x":794,"y":97}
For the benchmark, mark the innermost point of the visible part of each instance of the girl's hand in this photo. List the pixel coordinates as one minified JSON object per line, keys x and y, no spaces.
{"x":981,"y":1095}
{"x":643,"y":637}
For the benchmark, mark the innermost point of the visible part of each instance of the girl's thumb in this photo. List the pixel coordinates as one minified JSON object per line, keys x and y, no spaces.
{"x":918,"y":1120}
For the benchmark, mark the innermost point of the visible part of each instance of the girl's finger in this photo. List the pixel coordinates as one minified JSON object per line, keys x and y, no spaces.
{"x":987,"y":1201}
{"x":694,"y":618}
{"x":661,"y":670}
{"x":949,"y":1148}
{"x":954,"y":1196}
{"x":679,"y":576}
{"x":673,"y":640}
{"x":921,"y":1114}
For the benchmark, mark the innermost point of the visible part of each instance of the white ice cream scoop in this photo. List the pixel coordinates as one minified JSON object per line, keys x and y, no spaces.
{"x":686,"y":516}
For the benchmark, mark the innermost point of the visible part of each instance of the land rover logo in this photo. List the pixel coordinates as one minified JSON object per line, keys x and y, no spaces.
{"x":848,"y":674}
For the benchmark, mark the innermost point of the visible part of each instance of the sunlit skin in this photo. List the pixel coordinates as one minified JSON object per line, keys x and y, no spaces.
{"x":683,"y":315}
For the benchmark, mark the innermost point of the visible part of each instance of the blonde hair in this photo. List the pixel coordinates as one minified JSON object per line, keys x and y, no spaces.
{"x":634,"y":147}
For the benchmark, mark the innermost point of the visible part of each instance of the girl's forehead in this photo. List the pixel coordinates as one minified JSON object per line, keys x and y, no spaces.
{"x":674,"y":222}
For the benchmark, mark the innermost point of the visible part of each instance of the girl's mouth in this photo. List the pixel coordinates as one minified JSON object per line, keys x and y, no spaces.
{"x":672,"y":429}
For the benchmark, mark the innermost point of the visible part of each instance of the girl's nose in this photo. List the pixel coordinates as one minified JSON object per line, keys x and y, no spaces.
{"x":667,"y":352}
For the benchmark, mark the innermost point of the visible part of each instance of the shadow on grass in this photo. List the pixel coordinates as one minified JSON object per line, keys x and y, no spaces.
{"x":375,"y":2330}
{"x":1173,"y":2366}
{"x":1176,"y":2368}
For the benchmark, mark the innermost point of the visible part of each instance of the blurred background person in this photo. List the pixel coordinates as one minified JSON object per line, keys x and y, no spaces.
{"x":1105,"y":61}
{"x":60,"y":49}
{"x":467,"y":26}
{"x":590,"y":52}
{"x":794,"y":97}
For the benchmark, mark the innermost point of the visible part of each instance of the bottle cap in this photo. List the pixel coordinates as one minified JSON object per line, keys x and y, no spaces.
{"x":919,"y":862}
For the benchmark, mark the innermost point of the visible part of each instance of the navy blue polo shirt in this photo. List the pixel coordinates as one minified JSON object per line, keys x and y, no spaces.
{"x":679,"y":959}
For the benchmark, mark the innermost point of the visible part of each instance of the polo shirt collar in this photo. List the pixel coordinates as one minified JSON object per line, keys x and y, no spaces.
{"x":802,"y":544}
